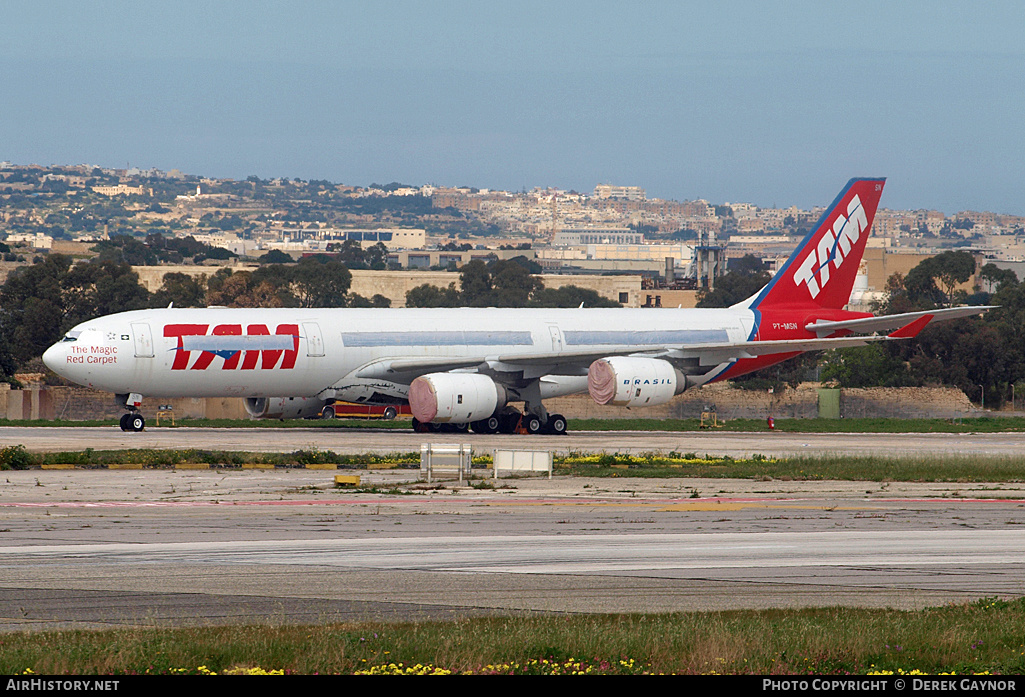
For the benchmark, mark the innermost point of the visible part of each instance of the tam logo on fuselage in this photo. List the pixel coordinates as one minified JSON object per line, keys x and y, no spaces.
{"x":257,"y":348}
{"x":834,"y":246}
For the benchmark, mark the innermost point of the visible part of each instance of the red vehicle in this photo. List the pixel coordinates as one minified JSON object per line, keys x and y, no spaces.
{"x":348,"y":410}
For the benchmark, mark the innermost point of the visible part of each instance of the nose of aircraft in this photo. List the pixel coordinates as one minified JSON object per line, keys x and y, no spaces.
{"x":54,"y":357}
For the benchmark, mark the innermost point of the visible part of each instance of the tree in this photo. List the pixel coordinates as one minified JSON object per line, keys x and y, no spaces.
{"x":38,"y":303}
{"x":125,"y":249}
{"x":276,"y":256}
{"x":475,"y":281}
{"x":356,"y":300}
{"x":948,"y":269}
{"x":498,"y":284}
{"x":684,"y":234}
{"x":240,"y":289}
{"x":7,"y":364}
{"x":351,"y":254}
{"x":748,"y":264}
{"x":790,"y":373}
{"x":320,"y":282}
{"x":182,"y":290}
{"x":513,"y":284}
{"x":217,"y":253}
{"x":570,"y":296}
{"x":433,"y":296}
{"x":376,"y":257}
{"x":864,"y":366}
{"x":733,"y":287}
{"x":997,"y":278}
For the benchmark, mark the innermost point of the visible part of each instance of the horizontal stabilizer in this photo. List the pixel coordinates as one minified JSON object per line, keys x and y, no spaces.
{"x":890,"y":322}
{"x":910,"y":330}
{"x":749,"y":349}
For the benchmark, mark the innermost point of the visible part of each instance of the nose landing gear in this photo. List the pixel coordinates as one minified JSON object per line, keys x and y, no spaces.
{"x":133,"y":421}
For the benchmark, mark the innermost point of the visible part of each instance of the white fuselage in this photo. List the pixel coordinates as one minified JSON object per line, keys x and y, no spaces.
{"x":223,"y":352}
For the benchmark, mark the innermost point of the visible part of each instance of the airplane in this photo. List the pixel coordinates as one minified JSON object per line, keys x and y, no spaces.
{"x":465,"y":367}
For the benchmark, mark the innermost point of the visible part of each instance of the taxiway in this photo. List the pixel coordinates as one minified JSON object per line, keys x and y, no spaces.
{"x":101,"y":548}
{"x":349,"y":441}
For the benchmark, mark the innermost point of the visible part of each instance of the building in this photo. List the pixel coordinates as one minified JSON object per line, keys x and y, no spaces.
{"x":629,"y":193}
{"x":392,"y":238}
{"x":567,"y":237}
{"x":36,"y":241}
{"x":123,"y":190}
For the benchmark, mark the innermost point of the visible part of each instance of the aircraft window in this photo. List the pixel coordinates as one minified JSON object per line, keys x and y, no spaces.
{"x":71,"y":336}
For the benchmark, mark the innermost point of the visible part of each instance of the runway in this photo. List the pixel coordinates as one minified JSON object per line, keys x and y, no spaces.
{"x":352,"y":441}
{"x":99,"y":548}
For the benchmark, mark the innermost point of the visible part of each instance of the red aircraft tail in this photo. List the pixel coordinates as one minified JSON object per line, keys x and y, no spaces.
{"x":820,"y":273}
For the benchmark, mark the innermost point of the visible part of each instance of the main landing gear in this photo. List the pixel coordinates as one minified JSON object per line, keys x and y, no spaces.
{"x":505,"y":422}
{"x":515,"y":422}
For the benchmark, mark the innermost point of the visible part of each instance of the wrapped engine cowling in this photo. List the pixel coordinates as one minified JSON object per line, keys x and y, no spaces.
{"x":284,"y":407}
{"x":455,"y":397}
{"x":629,"y":381}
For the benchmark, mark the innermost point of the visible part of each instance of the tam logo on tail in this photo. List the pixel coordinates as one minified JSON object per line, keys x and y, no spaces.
{"x":834,"y":246}
{"x":821,"y":271}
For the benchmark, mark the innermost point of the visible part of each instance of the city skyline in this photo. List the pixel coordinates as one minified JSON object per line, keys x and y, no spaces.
{"x":774,"y":104}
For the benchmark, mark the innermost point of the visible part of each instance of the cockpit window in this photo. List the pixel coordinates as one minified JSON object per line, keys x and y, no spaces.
{"x":71,"y":336}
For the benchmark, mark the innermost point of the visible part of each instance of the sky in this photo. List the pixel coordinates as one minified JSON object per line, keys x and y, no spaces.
{"x":772,"y":103}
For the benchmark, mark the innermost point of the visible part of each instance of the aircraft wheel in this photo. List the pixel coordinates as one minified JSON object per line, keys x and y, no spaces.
{"x":557,"y":424}
{"x":390,"y":413}
{"x":125,"y":424}
{"x":533,"y":424}
{"x":488,"y":425}
{"x":328,"y":413}
{"x":509,"y":422}
{"x":136,"y":422}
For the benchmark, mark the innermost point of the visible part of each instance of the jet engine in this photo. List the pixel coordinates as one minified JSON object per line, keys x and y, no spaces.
{"x":632,"y":381}
{"x":284,"y":407}
{"x":457,"y":398}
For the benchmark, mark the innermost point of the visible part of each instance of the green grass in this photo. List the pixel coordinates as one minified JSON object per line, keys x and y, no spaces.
{"x":16,"y":457}
{"x":949,"y":468}
{"x":982,"y":424}
{"x":983,"y":636}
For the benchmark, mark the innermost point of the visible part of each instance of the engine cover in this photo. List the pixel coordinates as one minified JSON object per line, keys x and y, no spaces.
{"x":630,"y":381}
{"x":284,"y":407}
{"x":457,"y":398}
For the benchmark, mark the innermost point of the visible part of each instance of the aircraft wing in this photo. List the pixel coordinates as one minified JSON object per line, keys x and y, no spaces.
{"x":393,"y":367}
{"x":402,"y":369}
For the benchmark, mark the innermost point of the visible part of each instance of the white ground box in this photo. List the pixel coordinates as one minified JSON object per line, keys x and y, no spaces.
{"x":516,"y":461}
{"x":445,"y":458}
